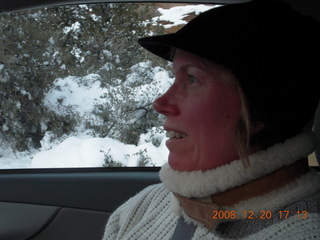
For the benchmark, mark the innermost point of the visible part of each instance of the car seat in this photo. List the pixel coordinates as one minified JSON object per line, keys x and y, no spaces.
{"x":316,"y":129}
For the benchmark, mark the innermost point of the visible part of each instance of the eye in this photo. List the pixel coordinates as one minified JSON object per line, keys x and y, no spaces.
{"x":192,"y":79}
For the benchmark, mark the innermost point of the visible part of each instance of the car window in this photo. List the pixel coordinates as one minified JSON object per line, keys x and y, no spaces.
{"x":76,"y":90}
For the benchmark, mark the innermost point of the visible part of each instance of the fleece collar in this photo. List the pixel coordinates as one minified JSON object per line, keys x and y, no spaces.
{"x":275,"y":179}
{"x":199,"y":184}
{"x":203,"y":210}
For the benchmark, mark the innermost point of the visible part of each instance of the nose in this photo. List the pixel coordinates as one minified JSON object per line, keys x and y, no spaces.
{"x":167,"y":103}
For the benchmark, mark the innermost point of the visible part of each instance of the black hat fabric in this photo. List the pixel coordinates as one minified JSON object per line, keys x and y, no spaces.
{"x":272,"y":49}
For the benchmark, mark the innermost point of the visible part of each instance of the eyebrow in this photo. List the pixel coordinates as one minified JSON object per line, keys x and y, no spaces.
{"x":199,"y":64}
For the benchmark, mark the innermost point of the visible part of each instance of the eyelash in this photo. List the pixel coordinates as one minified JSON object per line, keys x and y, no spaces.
{"x":191,"y":79}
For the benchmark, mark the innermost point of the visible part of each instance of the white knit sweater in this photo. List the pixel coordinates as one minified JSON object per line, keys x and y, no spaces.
{"x":153,"y":213}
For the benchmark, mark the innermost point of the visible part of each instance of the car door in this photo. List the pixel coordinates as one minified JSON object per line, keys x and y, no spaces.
{"x":65,"y":203}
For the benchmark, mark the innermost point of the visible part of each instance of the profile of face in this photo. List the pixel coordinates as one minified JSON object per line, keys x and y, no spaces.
{"x":202,"y":110}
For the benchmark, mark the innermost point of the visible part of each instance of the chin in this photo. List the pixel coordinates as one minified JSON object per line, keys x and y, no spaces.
{"x":179,"y":164}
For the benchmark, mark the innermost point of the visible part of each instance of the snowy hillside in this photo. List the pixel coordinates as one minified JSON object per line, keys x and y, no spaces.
{"x":83,"y":95}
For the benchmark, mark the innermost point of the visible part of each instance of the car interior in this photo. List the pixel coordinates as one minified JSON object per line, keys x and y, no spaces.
{"x":75,"y":203}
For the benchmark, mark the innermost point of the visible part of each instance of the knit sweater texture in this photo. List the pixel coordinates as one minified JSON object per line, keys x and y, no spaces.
{"x":154,"y":212}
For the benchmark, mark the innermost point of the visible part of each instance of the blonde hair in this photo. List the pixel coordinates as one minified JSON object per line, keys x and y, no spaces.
{"x":242,"y":140}
{"x":242,"y":134}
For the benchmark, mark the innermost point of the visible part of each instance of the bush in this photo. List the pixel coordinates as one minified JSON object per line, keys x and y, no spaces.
{"x":40,"y":46}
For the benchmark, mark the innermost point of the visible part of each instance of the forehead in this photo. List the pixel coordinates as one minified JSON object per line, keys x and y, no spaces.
{"x":186,"y":59}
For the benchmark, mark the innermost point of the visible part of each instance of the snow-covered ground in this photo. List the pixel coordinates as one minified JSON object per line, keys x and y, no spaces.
{"x":81,"y":149}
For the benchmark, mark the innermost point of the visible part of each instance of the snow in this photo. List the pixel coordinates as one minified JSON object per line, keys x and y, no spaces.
{"x":90,"y":152}
{"x":74,"y":27}
{"x":82,"y":94}
{"x":175,"y":15}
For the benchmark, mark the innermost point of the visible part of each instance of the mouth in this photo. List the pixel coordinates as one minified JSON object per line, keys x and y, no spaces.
{"x":175,"y":135}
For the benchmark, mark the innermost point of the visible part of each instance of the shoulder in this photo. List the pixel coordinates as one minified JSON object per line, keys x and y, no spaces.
{"x":294,"y":227}
{"x":150,"y":195}
{"x":144,"y":210}
{"x":299,"y":221}
{"x":145,"y":199}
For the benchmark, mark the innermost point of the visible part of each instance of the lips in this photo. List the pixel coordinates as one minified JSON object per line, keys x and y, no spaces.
{"x":177,"y":141}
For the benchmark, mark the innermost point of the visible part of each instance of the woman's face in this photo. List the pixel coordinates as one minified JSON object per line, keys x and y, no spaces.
{"x":202,"y":109}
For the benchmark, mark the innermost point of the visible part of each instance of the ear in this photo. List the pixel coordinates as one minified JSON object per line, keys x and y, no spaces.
{"x":256,"y":127}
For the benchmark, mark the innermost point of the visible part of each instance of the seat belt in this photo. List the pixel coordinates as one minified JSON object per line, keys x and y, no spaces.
{"x":183,"y":231}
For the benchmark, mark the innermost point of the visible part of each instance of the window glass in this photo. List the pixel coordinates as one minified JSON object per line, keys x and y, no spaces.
{"x":76,"y":90}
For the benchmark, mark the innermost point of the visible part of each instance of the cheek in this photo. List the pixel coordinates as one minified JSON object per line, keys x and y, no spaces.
{"x":225,"y":102}
{"x":218,"y":116}
{"x":216,"y":138}
{"x":221,"y":109}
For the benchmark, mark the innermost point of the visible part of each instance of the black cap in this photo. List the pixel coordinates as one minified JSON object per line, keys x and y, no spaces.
{"x":272,"y":49}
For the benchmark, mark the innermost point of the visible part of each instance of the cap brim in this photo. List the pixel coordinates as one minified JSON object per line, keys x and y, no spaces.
{"x":161,"y":45}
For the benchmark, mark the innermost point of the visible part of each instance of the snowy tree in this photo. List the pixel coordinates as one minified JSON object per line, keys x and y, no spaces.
{"x":39,"y":46}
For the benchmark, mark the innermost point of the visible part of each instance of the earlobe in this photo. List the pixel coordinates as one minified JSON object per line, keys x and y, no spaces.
{"x":256,"y":127}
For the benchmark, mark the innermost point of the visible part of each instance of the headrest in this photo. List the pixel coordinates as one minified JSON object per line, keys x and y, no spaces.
{"x":316,"y":129}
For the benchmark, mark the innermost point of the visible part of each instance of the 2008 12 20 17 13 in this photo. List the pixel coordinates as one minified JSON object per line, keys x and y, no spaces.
{"x":225,"y":214}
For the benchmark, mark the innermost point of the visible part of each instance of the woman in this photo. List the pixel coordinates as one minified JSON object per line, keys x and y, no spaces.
{"x":244,"y":90}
